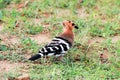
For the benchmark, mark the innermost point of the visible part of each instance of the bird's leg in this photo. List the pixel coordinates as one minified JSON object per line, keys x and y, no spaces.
{"x":59,"y":58}
{"x":47,"y":59}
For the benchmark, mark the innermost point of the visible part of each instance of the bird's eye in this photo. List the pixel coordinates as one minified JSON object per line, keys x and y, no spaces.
{"x":73,"y":24}
{"x":69,"y":21}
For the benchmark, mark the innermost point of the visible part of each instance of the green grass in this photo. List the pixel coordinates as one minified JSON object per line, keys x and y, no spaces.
{"x":95,"y":18}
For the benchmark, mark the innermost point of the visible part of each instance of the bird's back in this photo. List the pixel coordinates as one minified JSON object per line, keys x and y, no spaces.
{"x":57,"y":47}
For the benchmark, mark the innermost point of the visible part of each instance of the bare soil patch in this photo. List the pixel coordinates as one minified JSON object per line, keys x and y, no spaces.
{"x":6,"y":66}
{"x":82,"y":13}
{"x":9,"y":40}
{"x":61,"y":12}
{"x":114,"y":39}
{"x":41,"y":38}
{"x":17,"y":67}
{"x":1,"y":27}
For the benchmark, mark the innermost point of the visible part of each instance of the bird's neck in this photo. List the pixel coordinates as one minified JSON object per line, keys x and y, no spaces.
{"x":69,"y":35}
{"x":68,"y":32}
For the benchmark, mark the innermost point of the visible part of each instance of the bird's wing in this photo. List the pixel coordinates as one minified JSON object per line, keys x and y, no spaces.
{"x":56,"y":47}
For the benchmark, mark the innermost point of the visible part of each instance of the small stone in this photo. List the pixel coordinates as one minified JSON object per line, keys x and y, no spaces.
{"x":23,"y":77}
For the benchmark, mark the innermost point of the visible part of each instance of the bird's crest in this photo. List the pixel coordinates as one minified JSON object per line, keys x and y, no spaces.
{"x":69,"y":24}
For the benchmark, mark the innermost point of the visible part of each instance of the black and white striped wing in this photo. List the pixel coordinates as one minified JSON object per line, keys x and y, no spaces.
{"x":58,"y":46}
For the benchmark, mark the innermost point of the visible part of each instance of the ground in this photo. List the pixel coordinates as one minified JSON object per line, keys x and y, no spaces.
{"x":26,"y":26}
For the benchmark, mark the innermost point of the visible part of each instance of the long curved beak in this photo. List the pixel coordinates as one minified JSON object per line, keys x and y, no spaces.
{"x":76,"y":27}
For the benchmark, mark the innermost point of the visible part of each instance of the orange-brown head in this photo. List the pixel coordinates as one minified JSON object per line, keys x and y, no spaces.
{"x":69,"y":25}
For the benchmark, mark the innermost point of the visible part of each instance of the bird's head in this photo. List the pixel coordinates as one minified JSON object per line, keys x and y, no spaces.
{"x":69,"y":25}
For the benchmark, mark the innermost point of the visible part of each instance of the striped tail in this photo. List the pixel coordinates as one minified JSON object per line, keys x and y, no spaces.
{"x":37,"y":56}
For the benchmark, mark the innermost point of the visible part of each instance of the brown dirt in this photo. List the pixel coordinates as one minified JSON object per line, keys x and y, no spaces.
{"x":13,"y":40}
{"x":1,"y":27}
{"x":21,"y":68}
{"x":37,"y":21}
{"x":62,"y":13}
{"x":96,"y":40}
{"x":82,"y":13}
{"x":114,"y":39}
{"x":41,"y":38}
{"x":9,"y":40}
{"x":40,"y":22}
{"x":6,"y":66}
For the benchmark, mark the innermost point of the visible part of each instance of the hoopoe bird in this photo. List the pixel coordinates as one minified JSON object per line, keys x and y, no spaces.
{"x":60,"y":44}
